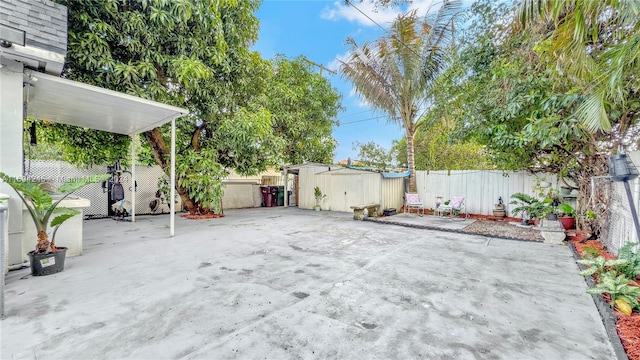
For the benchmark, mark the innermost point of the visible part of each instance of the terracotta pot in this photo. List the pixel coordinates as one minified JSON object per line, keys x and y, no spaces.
{"x":568,"y":222}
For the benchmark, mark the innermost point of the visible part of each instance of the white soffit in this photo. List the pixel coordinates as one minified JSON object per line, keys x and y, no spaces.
{"x":70,"y":102}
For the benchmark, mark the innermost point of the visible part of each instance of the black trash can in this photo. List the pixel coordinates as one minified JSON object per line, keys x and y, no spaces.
{"x":280,"y":195}
{"x":273,"y":190}
{"x":266,"y":196}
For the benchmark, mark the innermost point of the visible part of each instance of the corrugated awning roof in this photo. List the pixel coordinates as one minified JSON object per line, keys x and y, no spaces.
{"x":74,"y":103}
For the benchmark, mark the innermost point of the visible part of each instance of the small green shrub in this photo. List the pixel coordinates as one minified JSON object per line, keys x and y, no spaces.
{"x":589,"y":252}
{"x":599,"y":265}
{"x":632,"y":268}
{"x":618,"y":287}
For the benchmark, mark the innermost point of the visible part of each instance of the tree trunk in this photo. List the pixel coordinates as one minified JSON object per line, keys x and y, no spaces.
{"x":411,"y":161}
{"x":160,"y":151}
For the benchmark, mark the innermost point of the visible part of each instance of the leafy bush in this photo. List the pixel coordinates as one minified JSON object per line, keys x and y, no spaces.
{"x":632,"y":268}
{"x":599,"y":265}
{"x":618,"y":287}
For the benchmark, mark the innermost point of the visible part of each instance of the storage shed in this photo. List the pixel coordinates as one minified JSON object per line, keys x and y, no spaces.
{"x":346,"y":187}
{"x":305,"y":181}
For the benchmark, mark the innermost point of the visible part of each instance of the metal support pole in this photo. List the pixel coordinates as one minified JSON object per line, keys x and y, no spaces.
{"x":3,"y":230}
{"x":172,"y":202}
{"x":286,"y":188}
{"x":632,"y":206}
{"x":133,"y":176}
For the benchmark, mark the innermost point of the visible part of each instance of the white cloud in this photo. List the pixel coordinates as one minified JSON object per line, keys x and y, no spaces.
{"x":339,"y":10}
{"x":380,"y":15}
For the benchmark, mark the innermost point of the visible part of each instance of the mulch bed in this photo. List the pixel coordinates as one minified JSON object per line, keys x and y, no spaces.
{"x":627,"y":326}
{"x":202,"y":216}
{"x":503,"y":229}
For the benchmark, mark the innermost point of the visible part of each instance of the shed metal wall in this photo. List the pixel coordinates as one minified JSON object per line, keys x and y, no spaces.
{"x":392,"y":193}
{"x":307,"y":183}
{"x":347,"y":187}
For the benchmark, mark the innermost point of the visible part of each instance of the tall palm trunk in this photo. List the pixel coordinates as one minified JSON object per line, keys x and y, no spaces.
{"x":411,"y":161}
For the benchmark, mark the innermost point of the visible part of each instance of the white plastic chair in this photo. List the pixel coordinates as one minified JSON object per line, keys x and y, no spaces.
{"x":456,"y":207}
{"x":412,"y":200}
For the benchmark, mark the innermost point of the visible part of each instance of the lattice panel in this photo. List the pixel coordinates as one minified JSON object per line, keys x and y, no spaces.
{"x":57,"y":172}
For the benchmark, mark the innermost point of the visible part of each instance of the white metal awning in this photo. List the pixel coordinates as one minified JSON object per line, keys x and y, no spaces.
{"x":73,"y":103}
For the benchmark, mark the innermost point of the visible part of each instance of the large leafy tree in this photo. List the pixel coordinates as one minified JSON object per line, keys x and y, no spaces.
{"x":436,"y":150}
{"x":597,"y":45}
{"x":372,"y":155}
{"x":193,"y":54}
{"x":304,"y":107}
{"x":396,"y":74}
{"x":507,"y":97}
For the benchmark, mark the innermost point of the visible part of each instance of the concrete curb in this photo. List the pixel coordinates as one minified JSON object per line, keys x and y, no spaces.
{"x":609,"y":319}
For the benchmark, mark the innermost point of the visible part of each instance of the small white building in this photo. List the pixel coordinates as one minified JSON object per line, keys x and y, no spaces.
{"x":345,"y":187}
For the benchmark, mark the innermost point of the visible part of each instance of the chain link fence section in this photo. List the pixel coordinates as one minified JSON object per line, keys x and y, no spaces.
{"x":619,"y":228}
{"x":148,"y":199}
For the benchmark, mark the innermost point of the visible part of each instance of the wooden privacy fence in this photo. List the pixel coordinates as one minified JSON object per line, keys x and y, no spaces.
{"x":481,"y":188}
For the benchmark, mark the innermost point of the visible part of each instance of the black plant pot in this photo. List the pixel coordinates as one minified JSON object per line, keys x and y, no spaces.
{"x":47,"y":264}
{"x":389,"y":212}
{"x":552,"y":217}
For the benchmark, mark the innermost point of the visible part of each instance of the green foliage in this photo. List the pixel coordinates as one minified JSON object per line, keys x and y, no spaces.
{"x":201,"y":175}
{"x":41,"y":206}
{"x":503,"y":94}
{"x":618,"y":287}
{"x":585,"y":43}
{"x":599,"y":265}
{"x":528,"y":204}
{"x":246,"y":113}
{"x":318,"y":195}
{"x":567,"y":210}
{"x":632,"y":268}
{"x":304,"y":107}
{"x":397,"y":73}
{"x":373,"y":155}
{"x":435,"y":149}
{"x":590,"y":252}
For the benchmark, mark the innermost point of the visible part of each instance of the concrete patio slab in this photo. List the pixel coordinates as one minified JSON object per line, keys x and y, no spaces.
{"x":276,"y":283}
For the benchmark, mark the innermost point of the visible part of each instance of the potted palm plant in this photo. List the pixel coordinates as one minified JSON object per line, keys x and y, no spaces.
{"x":319,"y":196}
{"x":47,"y":259}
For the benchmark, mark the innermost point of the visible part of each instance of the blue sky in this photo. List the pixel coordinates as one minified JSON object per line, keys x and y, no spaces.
{"x":317,"y":29}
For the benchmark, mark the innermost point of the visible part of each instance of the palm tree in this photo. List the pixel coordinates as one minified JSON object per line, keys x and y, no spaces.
{"x":597,"y":44}
{"x":396,"y":74}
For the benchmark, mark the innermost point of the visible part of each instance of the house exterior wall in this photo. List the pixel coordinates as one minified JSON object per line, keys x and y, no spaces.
{"x":11,"y":113}
{"x":44,"y":22}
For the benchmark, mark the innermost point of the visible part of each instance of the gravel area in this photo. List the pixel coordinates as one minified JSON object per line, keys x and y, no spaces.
{"x":504,"y":229}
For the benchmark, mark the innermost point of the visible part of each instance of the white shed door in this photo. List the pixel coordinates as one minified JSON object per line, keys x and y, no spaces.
{"x":346,"y":192}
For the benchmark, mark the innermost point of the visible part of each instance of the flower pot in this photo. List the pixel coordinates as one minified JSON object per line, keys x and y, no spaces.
{"x":568,"y":222}
{"x":499,"y":213}
{"x":316,"y":208}
{"x":47,"y":264}
{"x":552,"y":217}
{"x":388,"y":212}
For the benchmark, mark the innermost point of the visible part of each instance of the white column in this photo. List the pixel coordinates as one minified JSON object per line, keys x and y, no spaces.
{"x":286,"y":188}
{"x":133,"y":178}
{"x":11,"y":118}
{"x":173,"y":178}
